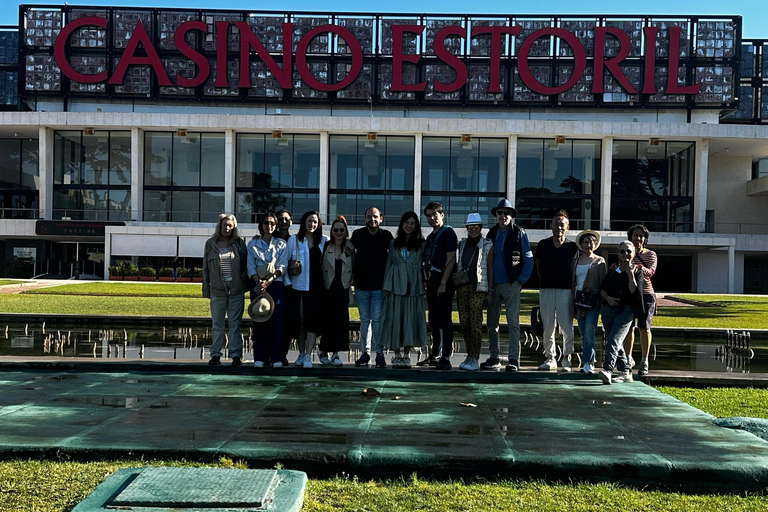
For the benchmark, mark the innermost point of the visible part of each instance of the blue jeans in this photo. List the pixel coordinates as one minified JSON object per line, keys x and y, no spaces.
{"x":587,"y":326}
{"x":507,"y":294}
{"x":369,"y":304}
{"x":616,"y":323}
{"x":231,"y":306}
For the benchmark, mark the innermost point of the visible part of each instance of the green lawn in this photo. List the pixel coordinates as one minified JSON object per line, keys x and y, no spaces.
{"x":121,"y":298}
{"x":50,"y":486}
{"x":4,"y":282}
{"x":724,"y":402}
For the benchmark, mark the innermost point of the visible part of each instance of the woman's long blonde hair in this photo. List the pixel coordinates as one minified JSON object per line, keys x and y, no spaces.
{"x":219,"y":236}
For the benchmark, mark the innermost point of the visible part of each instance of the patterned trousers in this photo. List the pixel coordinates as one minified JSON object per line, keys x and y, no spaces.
{"x":470,"y":304}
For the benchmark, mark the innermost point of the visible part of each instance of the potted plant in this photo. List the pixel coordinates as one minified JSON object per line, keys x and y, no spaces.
{"x":197,"y":275}
{"x":184,"y":275}
{"x":115,"y":273}
{"x":131,"y":272}
{"x":165,"y":275}
{"x":147,"y":274}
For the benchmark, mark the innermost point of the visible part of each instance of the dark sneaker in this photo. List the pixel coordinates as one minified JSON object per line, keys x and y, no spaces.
{"x":429,"y":361}
{"x":381,"y":361}
{"x":364,"y":360}
{"x":444,"y":364}
{"x":512,"y":366}
{"x":236,"y":361}
{"x":215,"y":361}
{"x":491,"y":363}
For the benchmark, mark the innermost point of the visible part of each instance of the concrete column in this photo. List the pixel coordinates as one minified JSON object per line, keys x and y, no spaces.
{"x":229,"y":171}
{"x":700,"y":176}
{"x":324,"y":173}
{"x":137,"y":175}
{"x":512,"y":168}
{"x":418,"y":158}
{"x":45,"y":159}
{"x":606,"y":171}
{"x":732,"y":265}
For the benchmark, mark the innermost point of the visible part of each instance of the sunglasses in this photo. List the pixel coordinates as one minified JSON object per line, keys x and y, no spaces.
{"x":625,"y":251}
{"x":474,"y":226}
{"x":339,"y":230}
{"x":269,"y":223}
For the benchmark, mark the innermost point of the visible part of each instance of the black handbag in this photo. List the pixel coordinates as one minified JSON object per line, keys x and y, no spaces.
{"x":583,"y":299}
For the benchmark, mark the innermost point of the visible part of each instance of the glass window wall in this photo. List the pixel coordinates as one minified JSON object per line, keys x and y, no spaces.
{"x":183,"y":177}
{"x":653,"y":185}
{"x":19,"y":179}
{"x":554,"y":176}
{"x":277,"y":173}
{"x":383,"y":168}
{"x":466,"y":177}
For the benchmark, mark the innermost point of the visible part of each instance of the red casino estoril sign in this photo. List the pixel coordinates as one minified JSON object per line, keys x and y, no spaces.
{"x":140,"y":51}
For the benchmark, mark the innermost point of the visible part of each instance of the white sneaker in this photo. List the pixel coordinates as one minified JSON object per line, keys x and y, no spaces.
{"x":336,"y":360}
{"x":258,"y":364}
{"x":567,"y":364}
{"x":605,"y":376}
{"x":323,"y":357}
{"x":588,"y":368}
{"x":623,"y":377}
{"x":307,"y":362}
{"x":397,"y":361}
{"x":643,"y":367}
{"x":300,"y":360}
{"x":631,"y":362}
{"x":548,"y":364}
{"x":471,"y":365}
{"x":406,"y":362}
{"x":277,"y":365}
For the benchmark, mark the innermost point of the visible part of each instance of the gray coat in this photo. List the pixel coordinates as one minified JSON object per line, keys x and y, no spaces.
{"x":595,"y":275}
{"x":213,"y":284}
{"x":399,"y":273}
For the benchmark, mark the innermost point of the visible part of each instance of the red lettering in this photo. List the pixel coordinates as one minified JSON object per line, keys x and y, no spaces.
{"x":59,"y":49}
{"x":453,"y":61}
{"x":649,"y":84}
{"x":249,"y":40}
{"x":579,"y":63}
{"x":673,"y":87}
{"x":203,"y":65}
{"x":612,"y":64}
{"x":495,"y":85}
{"x":222,"y":27}
{"x":398,"y":58}
{"x":129,"y":58}
{"x":303,"y":67}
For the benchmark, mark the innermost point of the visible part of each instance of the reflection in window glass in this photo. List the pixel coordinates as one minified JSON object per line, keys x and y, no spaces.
{"x":463,"y":176}
{"x":212,"y":160}
{"x":652,"y":185}
{"x":157,"y":159}
{"x":554,"y":176}
{"x":271,"y":171}
{"x":360,"y":167}
{"x":120,"y":158}
{"x":157,"y":206}
{"x":186,"y":160}
{"x":10,"y":164}
{"x":95,"y":159}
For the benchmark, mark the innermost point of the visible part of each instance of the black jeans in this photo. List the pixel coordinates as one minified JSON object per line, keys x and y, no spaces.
{"x":440,"y":319}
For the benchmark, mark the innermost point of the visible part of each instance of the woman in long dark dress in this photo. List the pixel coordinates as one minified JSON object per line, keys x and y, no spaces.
{"x":338,"y":259}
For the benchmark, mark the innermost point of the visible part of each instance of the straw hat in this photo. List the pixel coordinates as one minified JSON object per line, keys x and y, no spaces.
{"x":474,"y":219}
{"x":589,"y":232}
{"x":261,"y":308}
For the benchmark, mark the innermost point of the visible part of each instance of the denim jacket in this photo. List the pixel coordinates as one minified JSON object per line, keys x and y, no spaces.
{"x":260,"y":253}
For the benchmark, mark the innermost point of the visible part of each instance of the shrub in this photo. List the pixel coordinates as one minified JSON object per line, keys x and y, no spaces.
{"x":197,"y":272}
{"x":130,"y":270}
{"x":165,"y":272}
{"x":184,"y":272}
{"x":147,"y":272}
{"x":114,"y":270}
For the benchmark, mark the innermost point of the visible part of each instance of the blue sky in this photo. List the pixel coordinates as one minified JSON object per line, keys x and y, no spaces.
{"x":754,"y":12}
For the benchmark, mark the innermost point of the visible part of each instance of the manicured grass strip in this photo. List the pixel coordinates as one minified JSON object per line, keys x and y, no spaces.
{"x":124,"y":289}
{"x":4,"y":282}
{"x":50,"y":486}
{"x":729,"y":311}
{"x":104,"y":305}
{"x":724,"y":402}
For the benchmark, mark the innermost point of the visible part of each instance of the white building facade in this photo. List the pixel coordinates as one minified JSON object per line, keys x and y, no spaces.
{"x":109,"y":162}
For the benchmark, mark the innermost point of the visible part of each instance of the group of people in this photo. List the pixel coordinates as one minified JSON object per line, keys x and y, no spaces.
{"x":301,"y":286}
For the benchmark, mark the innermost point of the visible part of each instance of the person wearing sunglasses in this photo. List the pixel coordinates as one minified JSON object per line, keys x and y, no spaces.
{"x":267,"y":260}
{"x":338,"y":260}
{"x":622,"y":295}
{"x":475,"y":271}
{"x":290,"y":325}
{"x":646,"y":260}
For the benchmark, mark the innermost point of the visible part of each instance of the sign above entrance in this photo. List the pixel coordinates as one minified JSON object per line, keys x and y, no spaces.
{"x":73,"y":227}
{"x":356,"y":58}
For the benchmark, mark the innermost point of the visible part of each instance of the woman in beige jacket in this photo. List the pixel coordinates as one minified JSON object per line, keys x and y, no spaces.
{"x":337,"y":264}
